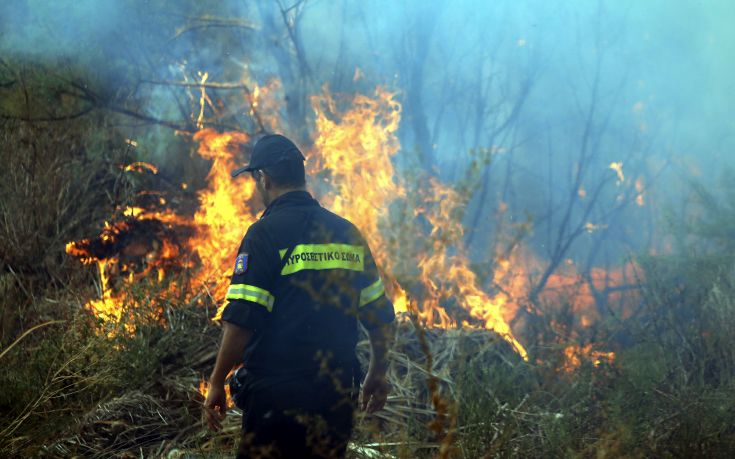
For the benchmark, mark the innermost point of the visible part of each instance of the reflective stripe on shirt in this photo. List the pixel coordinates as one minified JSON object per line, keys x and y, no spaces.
{"x":372,"y":292}
{"x":324,"y":256}
{"x":251,"y":293}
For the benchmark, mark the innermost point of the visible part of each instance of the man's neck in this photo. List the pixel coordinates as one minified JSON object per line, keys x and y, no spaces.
{"x":276,"y":193}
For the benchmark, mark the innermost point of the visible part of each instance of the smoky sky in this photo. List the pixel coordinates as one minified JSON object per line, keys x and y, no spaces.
{"x":669,"y":61}
{"x":676,"y":57}
{"x":653,"y":78}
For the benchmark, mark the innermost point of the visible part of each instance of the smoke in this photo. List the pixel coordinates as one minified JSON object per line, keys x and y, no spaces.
{"x":38,"y":29}
{"x":548,"y":87}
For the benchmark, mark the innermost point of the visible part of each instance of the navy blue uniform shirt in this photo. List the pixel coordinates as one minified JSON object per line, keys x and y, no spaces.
{"x":303,"y":278}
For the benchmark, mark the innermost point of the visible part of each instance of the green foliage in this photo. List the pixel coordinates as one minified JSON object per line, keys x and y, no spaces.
{"x":715,"y":229}
{"x":54,"y":374}
{"x":669,"y":393}
{"x":60,"y":378}
{"x":486,"y":396}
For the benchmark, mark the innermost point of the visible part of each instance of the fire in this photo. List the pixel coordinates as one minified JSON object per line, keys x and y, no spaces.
{"x":224,"y":212}
{"x":144,"y":240}
{"x":222,"y":215}
{"x":618,"y":168}
{"x":576,"y":354}
{"x":567,"y":286}
{"x":581,"y":294}
{"x":353,"y":172}
{"x":204,"y":390}
{"x":353,"y":158}
{"x":141,"y":242}
{"x":592,"y":227}
{"x":415,"y":233}
{"x":265,"y":104}
{"x":353,"y":155}
{"x":106,"y":307}
{"x":204,"y":99}
{"x":140,"y":166}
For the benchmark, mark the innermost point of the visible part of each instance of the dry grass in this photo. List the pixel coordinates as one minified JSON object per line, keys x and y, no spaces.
{"x":75,"y":390}
{"x":456,"y":393}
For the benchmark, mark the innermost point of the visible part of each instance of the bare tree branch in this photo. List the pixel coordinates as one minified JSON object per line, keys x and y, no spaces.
{"x":67,"y":117}
{"x":211,"y":22}
{"x":186,"y":84}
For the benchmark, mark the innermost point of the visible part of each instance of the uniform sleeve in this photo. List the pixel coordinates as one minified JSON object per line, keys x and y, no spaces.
{"x":250,"y":299}
{"x":374,"y":308}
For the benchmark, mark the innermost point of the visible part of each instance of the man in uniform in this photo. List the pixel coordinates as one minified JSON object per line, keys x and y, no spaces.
{"x":302,"y":280}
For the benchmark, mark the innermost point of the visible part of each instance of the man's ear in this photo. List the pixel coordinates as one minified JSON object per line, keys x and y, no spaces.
{"x":267,"y":183}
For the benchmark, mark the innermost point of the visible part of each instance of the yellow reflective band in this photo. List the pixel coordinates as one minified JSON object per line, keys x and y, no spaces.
{"x":251,"y":293}
{"x":324,"y":256}
{"x":371,"y":293}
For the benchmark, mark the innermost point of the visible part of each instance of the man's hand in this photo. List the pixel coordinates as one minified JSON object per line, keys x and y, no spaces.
{"x":234,"y":341}
{"x":374,"y":392}
{"x":375,"y":388}
{"x":215,"y":407}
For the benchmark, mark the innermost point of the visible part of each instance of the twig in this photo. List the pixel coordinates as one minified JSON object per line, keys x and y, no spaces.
{"x":68,"y":117}
{"x":214,"y":22}
{"x":28,"y":332}
{"x":185,"y":84}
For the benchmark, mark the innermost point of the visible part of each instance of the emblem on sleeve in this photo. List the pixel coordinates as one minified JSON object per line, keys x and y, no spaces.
{"x":241,"y":263}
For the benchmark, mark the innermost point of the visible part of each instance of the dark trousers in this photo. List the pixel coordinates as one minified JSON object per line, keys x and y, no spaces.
{"x":303,"y":417}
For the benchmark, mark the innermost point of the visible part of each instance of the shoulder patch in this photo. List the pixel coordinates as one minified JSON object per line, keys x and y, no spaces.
{"x":241,"y":263}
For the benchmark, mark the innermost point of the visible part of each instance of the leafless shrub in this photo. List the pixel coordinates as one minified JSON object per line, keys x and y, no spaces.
{"x":56,"y":182}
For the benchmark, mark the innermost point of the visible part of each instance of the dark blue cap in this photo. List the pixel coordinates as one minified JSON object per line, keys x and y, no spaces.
{"x":269,"y":150}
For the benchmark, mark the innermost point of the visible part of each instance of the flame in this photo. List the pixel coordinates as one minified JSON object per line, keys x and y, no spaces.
{"x":265,"y":103}
{"x":424,"y":263}
{"x":219,"y":222}
{"x":112,"y":249}
{"x":154,"y":255}
{"x":567,"y":286}
{"x":204,"y":391}
{"x":140,"y":166}
{"x":492,"y":311}
{"x":618,"y":168}
{"x":352,"y":155}
{"x":361,"y":143}
{"x":352,"y":152}
{"x":575,"y":354}
{"x":223,"y":213}
{"x":106,"y":307}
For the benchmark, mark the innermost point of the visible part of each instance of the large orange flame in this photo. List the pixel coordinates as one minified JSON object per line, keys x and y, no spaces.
{"x":415,"y":232}
{"x":157,"y":254}
{"x":224,"y":211}
{"x":352,"y":154}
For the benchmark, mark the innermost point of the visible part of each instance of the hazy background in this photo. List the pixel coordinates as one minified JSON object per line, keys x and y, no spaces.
{"x":555,"y":90}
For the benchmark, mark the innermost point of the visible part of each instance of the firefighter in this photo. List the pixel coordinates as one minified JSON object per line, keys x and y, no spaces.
{"x":303,"y":279}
